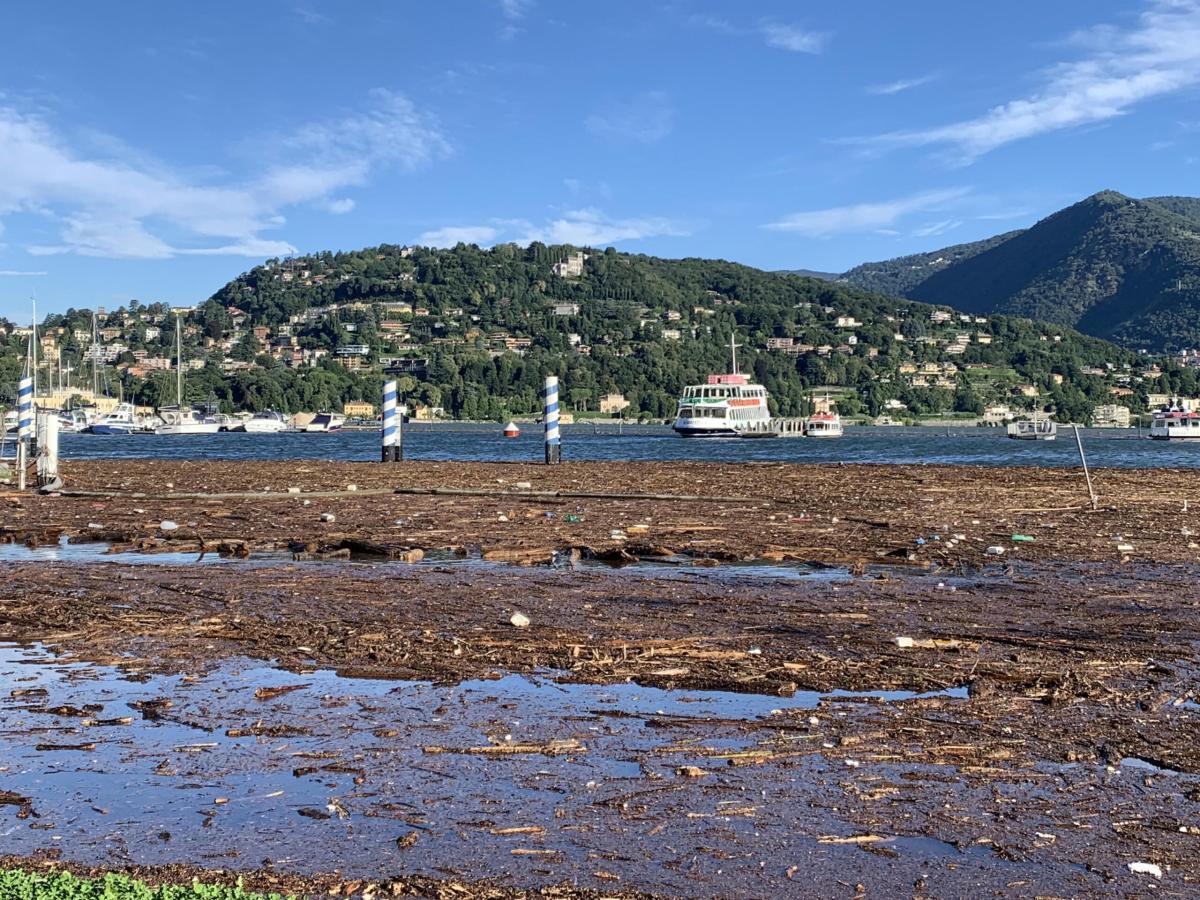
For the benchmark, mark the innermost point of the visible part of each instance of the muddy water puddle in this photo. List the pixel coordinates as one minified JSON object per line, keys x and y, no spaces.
{"x":524,"y":780}
{"x":84,"y":552}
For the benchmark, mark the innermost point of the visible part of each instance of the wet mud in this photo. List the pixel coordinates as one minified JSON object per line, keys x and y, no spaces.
{"x":699,"y":723}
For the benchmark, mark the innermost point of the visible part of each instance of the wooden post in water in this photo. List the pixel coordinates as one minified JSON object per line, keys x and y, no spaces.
{"x":1086,"y":473}
{"x":550,"y":416}
{"x":392,"y":450}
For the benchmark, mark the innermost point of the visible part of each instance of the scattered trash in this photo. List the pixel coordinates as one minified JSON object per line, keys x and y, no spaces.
{"x":523,"y":486}
{"x":690,"y":772}
{"x":638,"y":529}
{"x":168,"y":525}
{"x":519,"y":620}
{"x":572,"y":518}
{"x":502,"y":518}
{"x":328,"y":517}
{"x":293,"y":490}
{"x":617,"y":534}
{"x":352,"y":487}
{"x":1125,"y":548}
{"x":1023,"y":538}
{"x":1145,"y":868}
{"x":903,"y":643}
{"x":995,"y":550}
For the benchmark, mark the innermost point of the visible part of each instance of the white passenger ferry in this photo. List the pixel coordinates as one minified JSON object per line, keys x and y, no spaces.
{"x":823,"y":425}
{"x":726,"y":406}
{"x":1175,"y":424}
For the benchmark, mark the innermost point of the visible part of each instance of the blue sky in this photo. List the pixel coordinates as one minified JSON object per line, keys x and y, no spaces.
{"x":155,"y":150}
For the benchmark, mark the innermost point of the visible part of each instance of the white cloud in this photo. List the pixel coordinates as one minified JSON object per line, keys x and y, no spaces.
{"x":455,"y":234}
{"x":587,"y":227}
{"x":866,"y":217}
{"x":120,"y":204}
{"x":776,"y":34}
{"x":645,"y":118}
{"x":903,"y":84}
{"x":935,"y":228}
{"x":13,"y":273}
{"x":793,"y":38}
{"x":1160,"y":55}
{"x":515,"y":9}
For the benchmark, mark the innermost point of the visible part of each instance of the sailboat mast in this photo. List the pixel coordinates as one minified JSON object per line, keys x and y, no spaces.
{"x":95,"y":360}
{"x":179,"y":363}
{"x":33,"y":359}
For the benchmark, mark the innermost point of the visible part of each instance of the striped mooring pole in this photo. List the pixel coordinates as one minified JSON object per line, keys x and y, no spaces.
{"x":24,"y":426}
{"x":393,"y":441}
{"x":550,"y":409}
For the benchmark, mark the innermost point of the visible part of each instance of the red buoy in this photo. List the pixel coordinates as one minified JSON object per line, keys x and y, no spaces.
{"x":511,"y":430}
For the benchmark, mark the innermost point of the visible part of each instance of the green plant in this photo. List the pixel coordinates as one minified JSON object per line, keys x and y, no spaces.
{"x":16,"y":884}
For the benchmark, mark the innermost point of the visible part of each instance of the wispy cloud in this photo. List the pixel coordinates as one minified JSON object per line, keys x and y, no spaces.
{"x":125,"y":205}
{"x":515,"y":9}
{"x":780,"y":35}
{"x":792,"y":37}
{"x":903,"y":84}
{"x":13,"y":273}
{"x":645,"y":118}
{"x":310,"y":16}
{"x":459,"y":234}
{"x":866,"y":217}
{"x":935,"y":228}
{"x":587,"y":227}
{"x":1121,"y":68}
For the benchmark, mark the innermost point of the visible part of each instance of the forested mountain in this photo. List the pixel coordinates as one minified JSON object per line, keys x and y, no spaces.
{"x":900,"y":276}
{"x":475,"y":331}
{"x":1123,"y":269}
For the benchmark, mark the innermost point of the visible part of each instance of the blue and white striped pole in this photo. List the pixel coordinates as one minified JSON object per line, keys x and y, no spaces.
{"x":550,"y":415}
{"x":393,"y":449}
{"x":25,"y":409}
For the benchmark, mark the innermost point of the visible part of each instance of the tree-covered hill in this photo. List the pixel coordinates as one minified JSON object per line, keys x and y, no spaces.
{"x":475,"y":331}
{"x":1123,"y":269}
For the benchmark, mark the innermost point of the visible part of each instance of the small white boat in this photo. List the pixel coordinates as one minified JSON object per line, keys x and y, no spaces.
{"x":325,"y":422}
{"x":123,"y":419}
{"x":180,"y":419}
{"x":1175,"y":424}
{"x":266,"y":422}
{"x":823,"y":425}
{"x":184,"y":421}
{"x":1033,"y":430}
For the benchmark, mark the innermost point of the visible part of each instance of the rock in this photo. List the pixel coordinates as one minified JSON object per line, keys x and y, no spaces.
{"x":519,"y":620}
{"x":1145,"y":868}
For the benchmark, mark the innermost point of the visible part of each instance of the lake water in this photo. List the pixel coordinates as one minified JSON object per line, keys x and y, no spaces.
{"x":955,"y":446}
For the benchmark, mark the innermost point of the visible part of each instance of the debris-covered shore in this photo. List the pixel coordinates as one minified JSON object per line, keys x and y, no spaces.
{"x":818,"y":681}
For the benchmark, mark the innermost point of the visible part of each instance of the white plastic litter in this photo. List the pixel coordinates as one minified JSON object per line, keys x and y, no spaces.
{"x":1145,"y":868}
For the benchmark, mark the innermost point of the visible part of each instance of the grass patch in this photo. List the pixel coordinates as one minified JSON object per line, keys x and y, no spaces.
{"x":19,"y":885}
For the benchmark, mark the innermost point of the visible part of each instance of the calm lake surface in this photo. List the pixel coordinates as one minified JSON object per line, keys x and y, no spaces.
{"x":955,"y":446}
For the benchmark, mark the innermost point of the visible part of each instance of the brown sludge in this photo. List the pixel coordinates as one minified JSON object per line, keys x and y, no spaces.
{"x":1075,"y":652}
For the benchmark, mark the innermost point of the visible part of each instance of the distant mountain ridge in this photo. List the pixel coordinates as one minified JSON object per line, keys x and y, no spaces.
{"x":1111,"y":266}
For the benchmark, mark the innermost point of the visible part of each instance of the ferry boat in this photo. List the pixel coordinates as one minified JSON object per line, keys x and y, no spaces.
{"x":823,"y":425}
{"x":726,"y":406}
{"x":1033,"y":430}
{"x":1175,"y":423}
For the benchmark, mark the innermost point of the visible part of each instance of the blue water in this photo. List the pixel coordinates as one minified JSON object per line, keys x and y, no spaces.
{"x":955,"y":446}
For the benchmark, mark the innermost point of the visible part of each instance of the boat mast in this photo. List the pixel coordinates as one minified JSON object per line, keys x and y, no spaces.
{"x":95,"y":360}
{"x":733,"y":351}
{"x":179,"y":363}
{"x":33,"y":360}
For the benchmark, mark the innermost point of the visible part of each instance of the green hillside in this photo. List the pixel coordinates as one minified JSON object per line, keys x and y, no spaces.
{"x":1111,"y":266}
{"x":474,"y":332}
